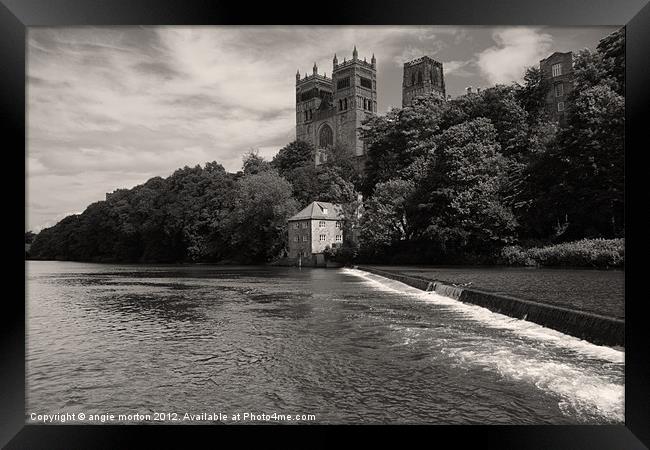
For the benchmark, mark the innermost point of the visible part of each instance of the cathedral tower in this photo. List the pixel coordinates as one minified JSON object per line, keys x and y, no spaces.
{"x":422,"y":76}
{"x":355,"y":98}
{"x":330,"y":111}
{"x":313,"y":95}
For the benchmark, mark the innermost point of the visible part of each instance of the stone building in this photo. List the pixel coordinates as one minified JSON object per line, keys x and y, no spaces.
{"x":317,"y":226}
{"x":557,"y":69}
{"x":330,"y":111}
{"x":422,"y":76}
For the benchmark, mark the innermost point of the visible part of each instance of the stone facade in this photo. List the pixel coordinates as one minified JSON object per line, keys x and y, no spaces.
{"x":558,"y":70}
{"x":422,"y":76}
{"x":317,"y":226}
{"x":330,"y":111}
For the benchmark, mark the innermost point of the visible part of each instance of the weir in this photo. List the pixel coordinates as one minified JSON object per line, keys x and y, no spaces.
{"x":595,"y":328}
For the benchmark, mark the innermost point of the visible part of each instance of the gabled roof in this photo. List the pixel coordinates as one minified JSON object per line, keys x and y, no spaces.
{"x":320,"y":211}
{"x":556,"y":53}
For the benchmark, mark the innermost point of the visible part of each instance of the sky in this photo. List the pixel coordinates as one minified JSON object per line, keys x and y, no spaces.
{"x":111,"y":107}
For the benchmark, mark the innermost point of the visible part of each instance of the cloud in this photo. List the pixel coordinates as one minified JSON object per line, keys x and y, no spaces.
{"x":516,"y":49}
{"x":110,"y":107}
{"x":459,"y":68}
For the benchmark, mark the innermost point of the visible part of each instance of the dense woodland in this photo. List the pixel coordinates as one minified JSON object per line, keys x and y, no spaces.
{"x":461,"y":181}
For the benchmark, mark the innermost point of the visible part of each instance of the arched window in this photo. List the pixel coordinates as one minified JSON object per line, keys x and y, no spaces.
{"x":325,"y":137}
{"x":419,"y":77}
{"x":345,"y":103}
{"x":412,"y":78}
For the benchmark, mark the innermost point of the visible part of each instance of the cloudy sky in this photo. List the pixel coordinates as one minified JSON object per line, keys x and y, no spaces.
{"x":109,"y":108}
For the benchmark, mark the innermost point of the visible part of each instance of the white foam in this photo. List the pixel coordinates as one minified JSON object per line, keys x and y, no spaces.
{"x":495,"y":320}
{"x":585,"y":387}
{"x":583,"y":391}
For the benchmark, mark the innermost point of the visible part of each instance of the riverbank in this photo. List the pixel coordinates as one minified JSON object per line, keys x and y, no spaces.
{"x":594,"y":327}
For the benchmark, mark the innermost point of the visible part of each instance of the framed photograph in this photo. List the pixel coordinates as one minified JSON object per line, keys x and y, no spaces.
{"x":382,"y":214}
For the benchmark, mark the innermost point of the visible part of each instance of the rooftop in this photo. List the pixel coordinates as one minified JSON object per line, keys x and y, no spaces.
{"x":320,"y":211}
{"x":419,"y":60}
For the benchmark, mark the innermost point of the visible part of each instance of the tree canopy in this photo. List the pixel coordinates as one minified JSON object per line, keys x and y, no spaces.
{"x":444,"y":182}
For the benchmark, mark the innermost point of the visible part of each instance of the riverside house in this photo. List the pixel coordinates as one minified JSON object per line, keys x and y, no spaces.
{"x":316,"y":227}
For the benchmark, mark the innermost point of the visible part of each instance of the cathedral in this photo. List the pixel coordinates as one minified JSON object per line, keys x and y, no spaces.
{"x":330,"y":111}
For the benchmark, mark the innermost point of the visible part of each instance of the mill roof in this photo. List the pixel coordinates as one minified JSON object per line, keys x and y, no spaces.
{"x":320,"y":211}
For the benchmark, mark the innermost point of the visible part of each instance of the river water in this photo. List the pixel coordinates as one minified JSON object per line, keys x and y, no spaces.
{"x":343,"y":345}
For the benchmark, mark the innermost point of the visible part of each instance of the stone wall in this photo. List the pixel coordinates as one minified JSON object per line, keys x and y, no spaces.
{"x":565,"y":80}
{"x":330,"y":231}
{"x":301,"y":245}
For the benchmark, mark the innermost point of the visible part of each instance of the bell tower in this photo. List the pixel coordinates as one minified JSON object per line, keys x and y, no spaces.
{"x":313,"y":92}
{"x":422,"y":76}
{"x":355,"y":98}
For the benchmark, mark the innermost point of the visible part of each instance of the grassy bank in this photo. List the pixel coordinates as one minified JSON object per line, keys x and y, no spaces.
{"x":600,"y":253}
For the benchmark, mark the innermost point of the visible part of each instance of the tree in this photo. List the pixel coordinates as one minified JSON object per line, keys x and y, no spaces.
{"x":397,"y":139}
{"x":29,"y":237}
{"x":292,"y":156}
{"x":385,"y":222}
{"x":591,"y":150}
{"x":458,"y":206}
{"x":253,"y":163}
{"x":532,"y":95}
{"x":612,"y":53}
{"x":257,"y":221}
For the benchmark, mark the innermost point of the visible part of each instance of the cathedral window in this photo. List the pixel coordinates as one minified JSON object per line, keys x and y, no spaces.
{"x":366,"y":82}
{"x":412,"y":78}
{"x":340,"y":105}
{"x":321,"y":224}
{"x":338,"y":237}
{"x":322,"y":237}
{"x":343,"y":83}
{"x":345,"y":103}
{"x":325,"y":137}
{"x":419,"y":77}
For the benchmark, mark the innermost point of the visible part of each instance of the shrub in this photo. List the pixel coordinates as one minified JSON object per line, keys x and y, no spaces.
{"x":584,"y":253}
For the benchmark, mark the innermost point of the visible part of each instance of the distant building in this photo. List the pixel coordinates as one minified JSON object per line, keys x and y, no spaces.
{"x":329,"y":111}
{"x":558,"y":70}
{"x":422,"y":76}
{"x":317,"y":226}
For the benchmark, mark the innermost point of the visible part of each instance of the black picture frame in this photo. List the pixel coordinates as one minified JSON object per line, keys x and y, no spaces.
{"x":17,"y":15}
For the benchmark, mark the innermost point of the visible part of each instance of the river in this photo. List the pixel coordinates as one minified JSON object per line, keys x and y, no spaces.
{"x":342,"y":345}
